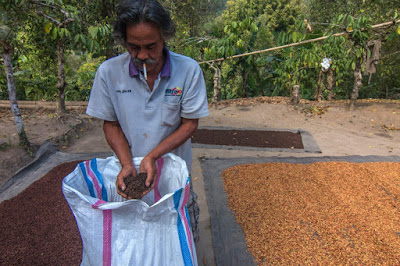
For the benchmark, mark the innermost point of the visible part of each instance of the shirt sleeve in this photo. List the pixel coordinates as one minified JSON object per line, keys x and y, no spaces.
{"x":194,"y":103}
{"x":100,"y":103}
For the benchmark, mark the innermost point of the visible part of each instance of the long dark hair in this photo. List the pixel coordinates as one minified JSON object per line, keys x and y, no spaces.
{"x":136,"y":11}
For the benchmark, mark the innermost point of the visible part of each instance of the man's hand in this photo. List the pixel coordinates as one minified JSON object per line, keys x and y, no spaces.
{"x":177,"y":138}
{"x":148,"y":165}
{"x":124,"y":173}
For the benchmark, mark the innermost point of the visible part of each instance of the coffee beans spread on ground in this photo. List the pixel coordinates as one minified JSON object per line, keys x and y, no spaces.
{"x":135,"y":186}
{"x":328,"y":213}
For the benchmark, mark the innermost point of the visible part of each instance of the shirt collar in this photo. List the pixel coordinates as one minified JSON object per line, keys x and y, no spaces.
{"x":165,"y":71}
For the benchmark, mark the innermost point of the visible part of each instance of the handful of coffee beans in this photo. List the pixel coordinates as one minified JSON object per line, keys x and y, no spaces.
{"x":135,"y":186}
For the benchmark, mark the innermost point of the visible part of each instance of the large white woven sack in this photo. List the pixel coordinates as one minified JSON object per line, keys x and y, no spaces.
{"x":115,"y":231}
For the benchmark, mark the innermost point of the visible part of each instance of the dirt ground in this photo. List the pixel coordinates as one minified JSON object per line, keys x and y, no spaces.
{"x":40,"y":125}
{"x":372,"y":129}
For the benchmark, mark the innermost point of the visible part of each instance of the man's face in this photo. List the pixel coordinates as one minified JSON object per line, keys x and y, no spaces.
{"x":145,"y":45}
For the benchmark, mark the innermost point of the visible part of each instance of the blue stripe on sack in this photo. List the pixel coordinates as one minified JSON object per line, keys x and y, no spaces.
{"x":88,"y":182}
{"x":187,"y":258}
{"x":188,"y":217}
{"x":93,"y":163}
{"x":177,"y":198}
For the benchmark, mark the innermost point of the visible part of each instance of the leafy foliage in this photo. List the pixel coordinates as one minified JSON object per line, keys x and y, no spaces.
{"x":80,"y":85}
{"x":208,"y":30}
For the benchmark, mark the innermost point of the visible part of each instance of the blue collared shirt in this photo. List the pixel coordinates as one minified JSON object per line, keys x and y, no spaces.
{"x":146,"y":116}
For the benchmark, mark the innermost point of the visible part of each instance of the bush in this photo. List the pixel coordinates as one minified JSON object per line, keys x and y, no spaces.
{"x":81,"y":82}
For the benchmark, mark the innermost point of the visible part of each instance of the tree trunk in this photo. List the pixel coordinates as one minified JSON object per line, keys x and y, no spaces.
{"x":108,"y":11}
{"x":12,"y":94}
{"x":318,"y":93}
{"x":244,"y":85}
{"x":61,"y":78}
{"x":218,"y":92}
{"x":109,"y":49}
{"x":357,"y":85}
{"x":329,"y":81}
{"x":386,"y":91}
{"x":217,"y":85}
{"x":296,"y":94}
{"x":233,"y":78}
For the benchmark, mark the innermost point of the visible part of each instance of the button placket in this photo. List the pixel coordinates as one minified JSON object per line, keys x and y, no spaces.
{"x":147,"y":94}
{"x":153,"y":92}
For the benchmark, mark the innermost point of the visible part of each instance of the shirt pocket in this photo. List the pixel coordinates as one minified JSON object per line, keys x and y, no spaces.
{"x":171,"y":113}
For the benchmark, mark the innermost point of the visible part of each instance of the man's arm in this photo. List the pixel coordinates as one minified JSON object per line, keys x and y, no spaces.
{"x":173,"y":141}
{"x":116,"y":139}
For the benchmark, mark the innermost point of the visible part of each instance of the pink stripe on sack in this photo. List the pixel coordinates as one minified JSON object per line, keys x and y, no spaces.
{"x":184,"y":218}
{"x":96,"y":184}
{"x":157,"y":194}
{"x":97,"y":204}
{"x":107,"y":229}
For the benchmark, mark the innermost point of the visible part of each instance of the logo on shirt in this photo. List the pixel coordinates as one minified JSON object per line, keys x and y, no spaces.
{"x":173,"y":92}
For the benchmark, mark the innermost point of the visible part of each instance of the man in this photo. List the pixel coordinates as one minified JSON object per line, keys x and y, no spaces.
{"x":149,"y":97}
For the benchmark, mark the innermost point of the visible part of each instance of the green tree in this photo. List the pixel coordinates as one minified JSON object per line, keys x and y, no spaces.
{"x":94,"y":32}
{"x":350,"y":54}
{"x":247,"y":26}
{"x":11,"y":19}
{"x":67,"y":26}
{"x":352,"y":13}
